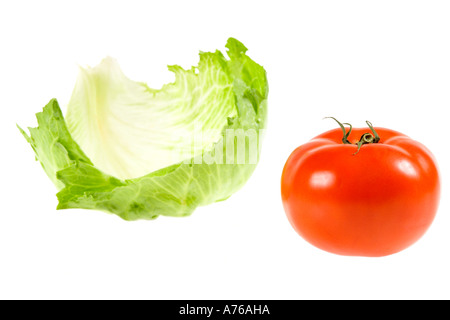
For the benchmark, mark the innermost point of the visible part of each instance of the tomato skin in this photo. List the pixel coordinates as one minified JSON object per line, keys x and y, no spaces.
{"x":373,"y":203}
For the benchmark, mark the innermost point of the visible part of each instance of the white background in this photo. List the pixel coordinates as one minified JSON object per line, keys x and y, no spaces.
{"x":383,"y":61}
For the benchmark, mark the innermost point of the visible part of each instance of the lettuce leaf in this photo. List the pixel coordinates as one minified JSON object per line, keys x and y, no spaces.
{"x":133,"y":151}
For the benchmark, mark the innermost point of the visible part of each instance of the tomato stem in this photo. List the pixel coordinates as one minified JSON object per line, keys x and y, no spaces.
{"x":376,"y":136}
{"x":346,"y":134}
{"x":366,"y":138}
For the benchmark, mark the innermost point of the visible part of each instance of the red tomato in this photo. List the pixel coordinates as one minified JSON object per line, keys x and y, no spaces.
{"x":375,"y":202}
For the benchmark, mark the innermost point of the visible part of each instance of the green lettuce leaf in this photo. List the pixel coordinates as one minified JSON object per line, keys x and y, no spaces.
{"x":137,"y":152}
